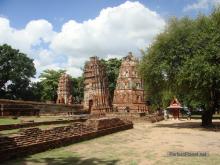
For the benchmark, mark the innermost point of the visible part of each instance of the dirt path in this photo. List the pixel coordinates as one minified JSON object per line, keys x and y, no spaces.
{"x":145,"y":144}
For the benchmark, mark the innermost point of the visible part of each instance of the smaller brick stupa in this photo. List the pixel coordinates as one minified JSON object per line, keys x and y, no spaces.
{"x":64,"y":90}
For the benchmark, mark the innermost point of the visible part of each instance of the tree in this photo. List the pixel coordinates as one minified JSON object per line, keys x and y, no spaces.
{"x":49,"y":79}
{"x":112,"y":70}
{"x":33,"y":92}
{"x":78,"y":89}
{"x":185,"y":60}
{"x":16,"y":69}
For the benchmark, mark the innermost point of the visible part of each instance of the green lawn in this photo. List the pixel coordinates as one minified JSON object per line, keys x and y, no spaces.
{"x":9,"y":132}
{"x":15,"y":131}
{"x":5,"y":121}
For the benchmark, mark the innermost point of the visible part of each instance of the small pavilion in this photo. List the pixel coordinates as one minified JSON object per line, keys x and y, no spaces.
{"x":174,"y":108}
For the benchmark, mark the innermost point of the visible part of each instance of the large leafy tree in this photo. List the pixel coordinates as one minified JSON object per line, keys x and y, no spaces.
{"x":34,"y":92}
{"x":49,"y":80}
{"x":184,"y":60}
{"x":16,"y":69}
{"x":112,"y":66}
{"x":78,"y":89}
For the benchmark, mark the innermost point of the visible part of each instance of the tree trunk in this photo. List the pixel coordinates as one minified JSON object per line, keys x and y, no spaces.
{"x":207,"y":118}
{"x":213,"y":105}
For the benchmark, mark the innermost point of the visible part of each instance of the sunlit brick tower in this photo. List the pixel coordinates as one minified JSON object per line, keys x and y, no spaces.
{"x":64,"y":90}
{"x":96,"y":93}
{"x":129,"y":92}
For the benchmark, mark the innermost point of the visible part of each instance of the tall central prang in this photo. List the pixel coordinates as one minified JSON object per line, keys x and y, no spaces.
{"x":96,"y":93}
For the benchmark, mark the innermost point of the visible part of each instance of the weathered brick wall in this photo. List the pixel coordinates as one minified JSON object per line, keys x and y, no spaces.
{"x":103,"y":123}
{"x":34,"y":140}
{"x":45,"y":108}
{"x":136,"y":116}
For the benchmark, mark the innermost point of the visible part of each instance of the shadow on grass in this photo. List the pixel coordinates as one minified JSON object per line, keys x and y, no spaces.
{"x":70,"y":160}
{"x":199,"y":117}
{"x":190,"y":125}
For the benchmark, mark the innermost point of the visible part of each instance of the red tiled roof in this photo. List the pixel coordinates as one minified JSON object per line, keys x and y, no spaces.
{"x":175,"y":104}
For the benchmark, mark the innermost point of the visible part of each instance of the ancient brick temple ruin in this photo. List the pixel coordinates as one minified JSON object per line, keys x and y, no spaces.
{"x":129,"y":92}
{"x":64,"y":90}
{"x":33,"y":140}
{"x":96,"y":93}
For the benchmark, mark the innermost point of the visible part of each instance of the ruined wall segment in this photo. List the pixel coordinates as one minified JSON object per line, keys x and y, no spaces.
{"x":96,"y":93}
{"x":129,"y":92}
{"x":64,"y":90}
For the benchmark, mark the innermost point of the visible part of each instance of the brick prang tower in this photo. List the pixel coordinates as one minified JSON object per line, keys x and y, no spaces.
{"x":129,"y":92}
{"x":96,"y":93}
{"x":64,"y":90}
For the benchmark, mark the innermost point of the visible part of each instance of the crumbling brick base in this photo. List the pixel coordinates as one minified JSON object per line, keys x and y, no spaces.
{"x":34,"y":140}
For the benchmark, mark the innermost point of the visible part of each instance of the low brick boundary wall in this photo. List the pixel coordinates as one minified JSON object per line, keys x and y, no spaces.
{"x":44,"y":108}
{"x":156,"y":118}
{"x":19,"y":146}
{"x":136,"y":116}
{"x":26,"y":125}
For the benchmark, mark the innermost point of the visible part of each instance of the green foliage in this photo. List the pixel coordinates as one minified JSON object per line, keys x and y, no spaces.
{"x":16,"y":69}
{"x":78,"y":89}
{"x":112,"y":70}
{"x":184,"y":61}
{"x":34,"y":92}
{"x":49,"y":80}
{"x":48,"y":84}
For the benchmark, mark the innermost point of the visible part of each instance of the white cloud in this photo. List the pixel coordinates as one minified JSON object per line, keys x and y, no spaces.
{"x":39,"y":30}
{"x":109,"y":56}
{"x":116,"y":30}
{"x":74,"y":71}
{"x":40,"y":66}
{"x":113,"y":33}
{"x":35,"y":32}
{"x":201,"y":4}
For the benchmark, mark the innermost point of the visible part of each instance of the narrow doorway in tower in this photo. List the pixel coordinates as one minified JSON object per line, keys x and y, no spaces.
{"x":90,"y":105}
{"x":62,"y":101}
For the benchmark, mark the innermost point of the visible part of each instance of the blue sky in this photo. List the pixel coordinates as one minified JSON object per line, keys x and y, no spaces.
{"x":59,"y":11}
{"x":62,"y":34}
